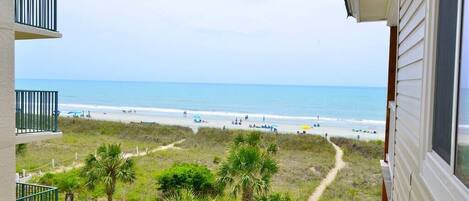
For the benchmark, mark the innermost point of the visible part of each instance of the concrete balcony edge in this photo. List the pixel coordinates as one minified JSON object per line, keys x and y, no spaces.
{"x":33,"y":137}
{"x":26,"y":32}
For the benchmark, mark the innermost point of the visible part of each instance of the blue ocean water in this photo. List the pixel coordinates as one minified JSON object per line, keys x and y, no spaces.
{"x":351,"y":103}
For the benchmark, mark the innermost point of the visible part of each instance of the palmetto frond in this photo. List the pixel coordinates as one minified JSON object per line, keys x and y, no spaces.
{"x":248,"y":167}
{"x":108,"y":167}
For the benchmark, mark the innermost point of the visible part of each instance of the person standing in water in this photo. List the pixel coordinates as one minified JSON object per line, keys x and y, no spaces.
{"x":185,"y":113}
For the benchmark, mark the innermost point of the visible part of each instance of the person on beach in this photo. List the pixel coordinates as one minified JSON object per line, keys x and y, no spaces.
{"x":246,"y":117}
{"x":263,"y":118}
{"x":185,"y":114}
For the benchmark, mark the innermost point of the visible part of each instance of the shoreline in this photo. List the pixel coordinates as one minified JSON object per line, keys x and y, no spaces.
{"x":288,"y":126}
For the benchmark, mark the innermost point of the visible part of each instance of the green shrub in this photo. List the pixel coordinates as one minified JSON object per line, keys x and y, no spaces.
{"x":274,"y":197}
{"x":20,"y":149}
{"x":48,"y":179}
{"x":68,"y":182}
{"x":195,"y":178}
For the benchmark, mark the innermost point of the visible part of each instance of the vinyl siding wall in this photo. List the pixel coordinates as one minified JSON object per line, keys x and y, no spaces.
{"x":407,"y":183}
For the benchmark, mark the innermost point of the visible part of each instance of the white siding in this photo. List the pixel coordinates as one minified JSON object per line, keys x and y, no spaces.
{"x":410,"y":64}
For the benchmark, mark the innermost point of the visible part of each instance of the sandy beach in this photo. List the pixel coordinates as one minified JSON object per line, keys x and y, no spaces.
{"x":290,"y":126}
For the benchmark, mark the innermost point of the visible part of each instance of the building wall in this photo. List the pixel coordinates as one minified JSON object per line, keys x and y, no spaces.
{"x":418,"y":173}
{"x":7,"y":119}
{"x":408,"y":184}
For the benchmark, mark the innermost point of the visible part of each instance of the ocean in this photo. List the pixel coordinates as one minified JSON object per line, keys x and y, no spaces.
{"x":354,"y":104}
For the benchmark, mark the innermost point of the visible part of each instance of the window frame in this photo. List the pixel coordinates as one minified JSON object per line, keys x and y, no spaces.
{"x":436,"y":173}
{"x":457,"y":81}
{"x":457,"y":68}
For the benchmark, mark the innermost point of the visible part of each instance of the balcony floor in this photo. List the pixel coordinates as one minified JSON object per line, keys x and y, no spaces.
{"x":26,"y":32}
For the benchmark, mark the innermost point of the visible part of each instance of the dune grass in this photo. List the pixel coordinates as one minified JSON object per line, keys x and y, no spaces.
{"x":84,"y":136}
{"x":361,"y":179}
{"x":303,"y":160}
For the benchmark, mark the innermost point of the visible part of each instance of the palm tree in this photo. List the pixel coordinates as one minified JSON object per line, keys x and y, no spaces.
{"x":249,"y":167}
{"x":69,"y":184}
{"x":107,"y":167}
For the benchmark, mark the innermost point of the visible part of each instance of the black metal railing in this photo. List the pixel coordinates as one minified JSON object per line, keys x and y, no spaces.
{"x":37,"y":13}
{"x":36,"y":111}
{"x":33,"y":192}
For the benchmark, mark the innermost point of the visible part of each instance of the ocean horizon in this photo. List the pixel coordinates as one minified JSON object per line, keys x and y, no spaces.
{"x":361,"y":104}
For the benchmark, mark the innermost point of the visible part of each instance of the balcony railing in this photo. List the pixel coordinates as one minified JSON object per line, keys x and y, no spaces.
{"x":36,"y":111}
{"x":30,"y":192}
{"x":37,"y":13}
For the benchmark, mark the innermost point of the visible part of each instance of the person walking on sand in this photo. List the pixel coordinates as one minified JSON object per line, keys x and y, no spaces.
{"x":185,"y":114}
{"x":263,"y":118}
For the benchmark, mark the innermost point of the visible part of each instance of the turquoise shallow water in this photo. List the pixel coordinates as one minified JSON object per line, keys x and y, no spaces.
{"x":341,"y":103}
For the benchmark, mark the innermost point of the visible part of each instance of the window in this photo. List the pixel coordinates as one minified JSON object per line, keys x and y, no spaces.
{"x":450,"y":139}
{"x":462,"y":138}
{"x":444,"y":80}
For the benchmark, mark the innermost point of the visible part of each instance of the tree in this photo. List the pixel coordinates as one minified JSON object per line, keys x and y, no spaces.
{"x":108,"y":167}
{"x":68,"y":184}
{"x":249,"y":167}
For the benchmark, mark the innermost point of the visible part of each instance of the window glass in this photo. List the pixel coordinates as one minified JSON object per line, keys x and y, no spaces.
{"x":462,"y":149}
{"x":444,"y":78}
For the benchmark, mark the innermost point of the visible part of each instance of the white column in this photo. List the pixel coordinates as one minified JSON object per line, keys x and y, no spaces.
{"x":7,"y":100}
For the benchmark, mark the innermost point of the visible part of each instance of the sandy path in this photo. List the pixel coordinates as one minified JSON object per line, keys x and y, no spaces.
{"x":126,"y":155}
{"x":161,"y":148}
{"x":339,"y":164}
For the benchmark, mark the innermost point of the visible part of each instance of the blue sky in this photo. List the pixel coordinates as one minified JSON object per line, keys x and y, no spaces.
{"x":299,"y":42}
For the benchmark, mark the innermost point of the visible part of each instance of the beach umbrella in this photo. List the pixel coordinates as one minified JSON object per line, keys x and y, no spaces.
{"x":197,"y":119}
{"x":305,"y":127}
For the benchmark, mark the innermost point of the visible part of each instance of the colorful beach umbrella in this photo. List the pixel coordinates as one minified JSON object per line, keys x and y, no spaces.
{"x":305,"y":127}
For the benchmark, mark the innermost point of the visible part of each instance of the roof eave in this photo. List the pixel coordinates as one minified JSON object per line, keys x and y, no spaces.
{"x":372,"y":10}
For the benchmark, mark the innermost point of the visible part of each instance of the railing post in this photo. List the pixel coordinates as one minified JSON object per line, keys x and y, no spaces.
{"x":56,"y":112}
{"x":23,"y":190}
{"x":55,"y":15}
{"x":56,"y":194}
